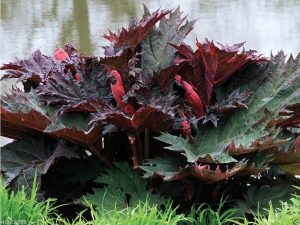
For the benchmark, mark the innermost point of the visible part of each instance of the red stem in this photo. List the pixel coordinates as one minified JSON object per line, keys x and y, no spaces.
{"x":140,"y":147}
{"x":147,"y":144}
{"x":132,"y":141}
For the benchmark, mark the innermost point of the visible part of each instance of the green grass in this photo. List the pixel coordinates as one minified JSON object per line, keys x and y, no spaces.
{"x":140,"y":215}
{"x":21,"y":208}
{"x":152,"y":215}
{"x":205,"y":215}
{"x":287,"y":214}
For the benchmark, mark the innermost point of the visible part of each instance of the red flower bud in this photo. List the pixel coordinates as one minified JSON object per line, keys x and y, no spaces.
{"x":186,"y":130}
{"x":60,"y":54}
{"x":77,"y":76}
{"x":118,"y":92}
{"x":192,"y":98}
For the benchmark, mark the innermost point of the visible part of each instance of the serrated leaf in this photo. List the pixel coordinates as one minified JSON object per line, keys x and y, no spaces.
{"x":288,"y":160}
{"x":157,"y":53}
{"x":121,"y":183}
{"x":39,"y":68}
{"x":194,"y":152}
{"x":211,"y":65}
{"x":290,"y":118}
{"x":23,"y":157}
{"x":257,"y":162}
{"x":134,"y":34}
{"x":77,"y":95}
{"x":165,"y":167}
{"x":205,"y":173}
{"x":234,"y":101}
{"x":157,"y":115}
{"x":23,"y":113}
{"x":255,"y":198}
{"x":23,"y":153}
{"x":35,"y":68}
{"x":173,"y":169}
{"x":124,"y":43}
{"x":56,"y":83}
{"x":250,"y":129}
{"x":20,"y":112}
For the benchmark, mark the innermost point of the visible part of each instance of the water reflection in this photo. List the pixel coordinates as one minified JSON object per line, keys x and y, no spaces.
{"x":28,"y":25}
{"x":78,"y":25}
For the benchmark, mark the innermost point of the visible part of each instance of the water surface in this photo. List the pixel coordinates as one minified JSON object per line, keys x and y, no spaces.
{"x":27,"y":25}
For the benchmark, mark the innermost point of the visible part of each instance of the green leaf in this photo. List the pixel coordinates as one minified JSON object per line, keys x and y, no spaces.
{"x":157,"y":53}
{"x":173,"y":169}
{"x":124,"y":189}
{"x":258,"y":198}
{"x":249,"y":129}
{"x":252,"y":133}
{"x":165,"y":167}
{"x":19,"y":159}
{"x":20,"y":154}
{"x":23,"y":113}
{"x":195,"y":152}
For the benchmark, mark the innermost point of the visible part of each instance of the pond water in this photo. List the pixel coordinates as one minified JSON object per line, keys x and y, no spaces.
{"x":27,"y":25}
{"x":34,"y":24}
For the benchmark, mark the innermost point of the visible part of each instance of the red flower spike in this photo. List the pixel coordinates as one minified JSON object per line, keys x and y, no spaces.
{"x":211,"y":65}
{"x":60,"y":54}
{"x":77,"y":76}
{"x":199,"y":69}
{"x":118,"y":92}
{"x":186,"y":131}
{"x":192,"y":98}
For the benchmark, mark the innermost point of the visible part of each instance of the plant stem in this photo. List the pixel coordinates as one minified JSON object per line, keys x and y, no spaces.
{"x":147,"y":144}
{"x":132,"y":141}
{"x":140,"y":147}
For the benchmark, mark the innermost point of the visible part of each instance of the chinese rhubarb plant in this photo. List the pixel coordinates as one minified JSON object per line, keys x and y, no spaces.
{"x":151,"y":112}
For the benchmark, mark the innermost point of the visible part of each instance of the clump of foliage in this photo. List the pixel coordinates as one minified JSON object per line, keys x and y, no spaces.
{"x":21,"y":208}
{"x":206,"y":215}
{"x":142,"y":213}
{"x":286,"y":213}
{"x":24,"y":208}
{"x":145,"y":213}
{"x":153,"y":118}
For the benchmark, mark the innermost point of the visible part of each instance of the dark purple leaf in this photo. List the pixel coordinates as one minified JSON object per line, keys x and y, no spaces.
{"x":158,"y":115}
